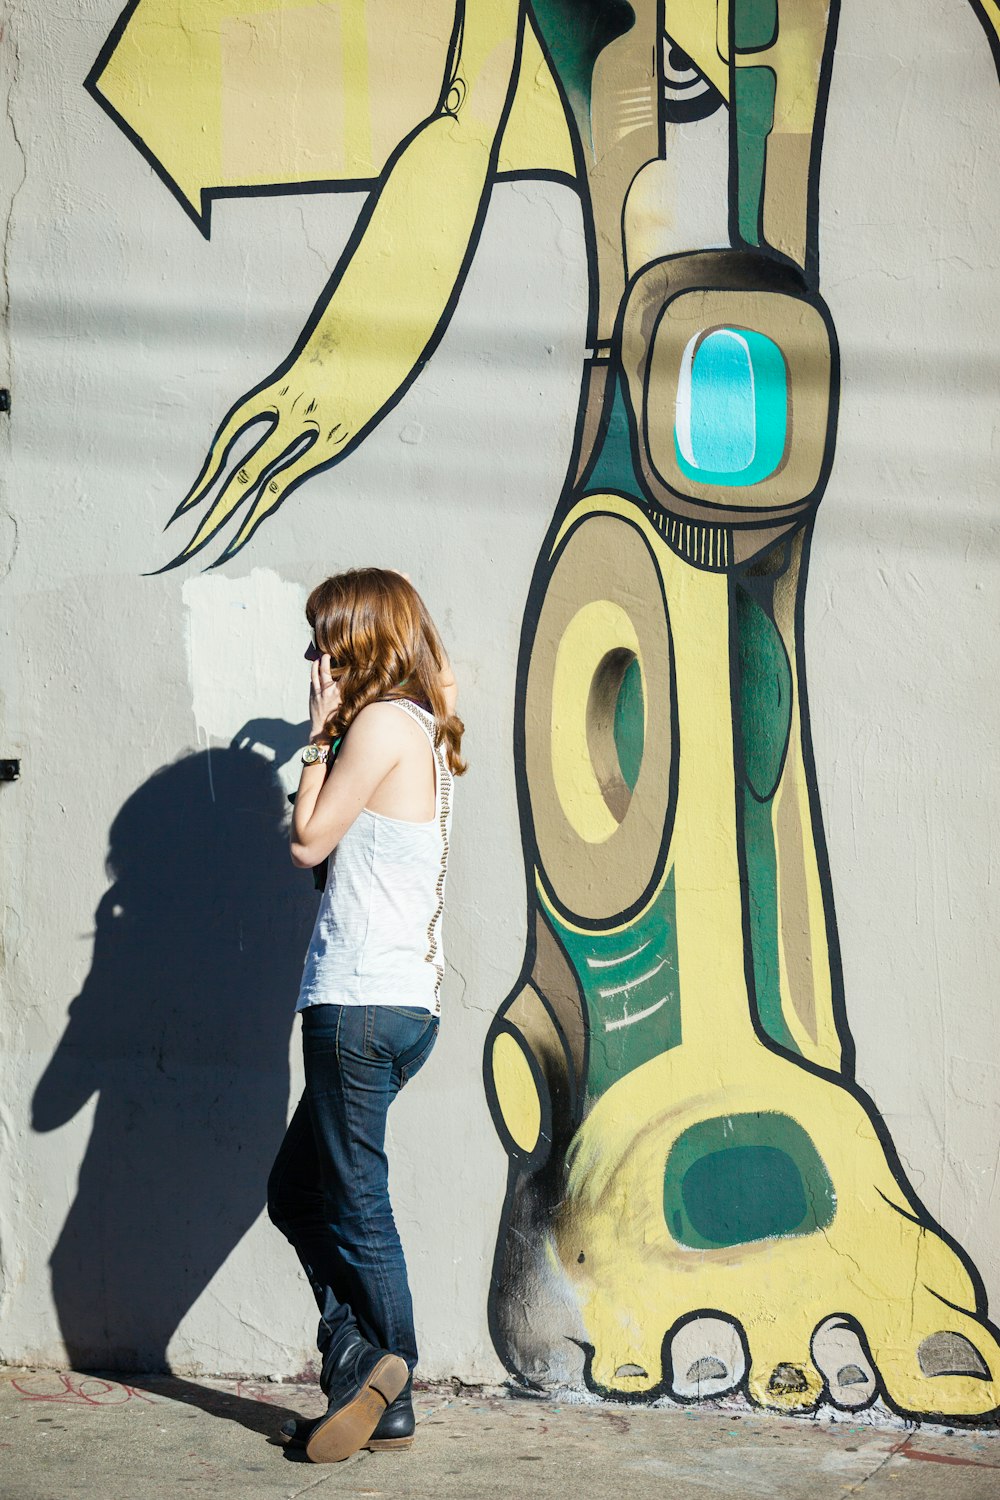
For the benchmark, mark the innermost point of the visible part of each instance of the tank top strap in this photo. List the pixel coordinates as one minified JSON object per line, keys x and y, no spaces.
{"x":418,"y":713}
{"x":411,"y":706}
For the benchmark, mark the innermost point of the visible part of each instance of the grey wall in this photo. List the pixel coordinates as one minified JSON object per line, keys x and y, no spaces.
{"x":148,"y":1053}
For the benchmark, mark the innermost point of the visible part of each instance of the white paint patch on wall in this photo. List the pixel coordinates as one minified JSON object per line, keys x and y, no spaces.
{"x":245,"y":637}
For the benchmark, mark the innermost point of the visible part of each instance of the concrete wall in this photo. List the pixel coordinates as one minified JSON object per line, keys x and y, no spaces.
{"x":153,"y":927}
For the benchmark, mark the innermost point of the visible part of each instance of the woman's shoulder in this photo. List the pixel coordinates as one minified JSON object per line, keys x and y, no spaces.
{"x":384,"y":718}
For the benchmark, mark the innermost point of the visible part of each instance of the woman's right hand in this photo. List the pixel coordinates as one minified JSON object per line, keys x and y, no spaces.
{"x":324,"y":697}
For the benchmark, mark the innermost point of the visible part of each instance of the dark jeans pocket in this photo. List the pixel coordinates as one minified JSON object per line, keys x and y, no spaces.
{"x":412,"y":1060}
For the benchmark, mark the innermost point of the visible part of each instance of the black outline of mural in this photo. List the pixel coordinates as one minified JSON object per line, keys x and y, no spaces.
{"x":990,"y":29}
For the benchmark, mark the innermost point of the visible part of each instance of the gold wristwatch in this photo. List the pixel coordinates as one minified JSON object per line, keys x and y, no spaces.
{"x":313,"y":753}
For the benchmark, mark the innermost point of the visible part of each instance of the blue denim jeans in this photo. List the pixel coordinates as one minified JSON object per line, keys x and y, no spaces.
{"x":328,"y":1191}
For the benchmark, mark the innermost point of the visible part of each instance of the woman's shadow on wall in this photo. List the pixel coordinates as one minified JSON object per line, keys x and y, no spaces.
{"x":182,"y":1030}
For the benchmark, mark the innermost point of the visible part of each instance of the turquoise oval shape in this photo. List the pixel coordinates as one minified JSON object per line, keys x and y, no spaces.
{"x":731,"y":417}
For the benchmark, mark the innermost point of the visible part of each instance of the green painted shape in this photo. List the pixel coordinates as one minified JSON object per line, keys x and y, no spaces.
{"x":575,"y":32}
{"x":628,"y":976}
{"x":764,"y":725}
{"x":739,"y":1179}
{"x":765,"y":698}
{"x":753,"y":93}
{"x":755,"y":24}
{"x":723,"y":1201}
{"x":612,"y":467}
{"x":762,"y":901}
{"x":629,"y":725}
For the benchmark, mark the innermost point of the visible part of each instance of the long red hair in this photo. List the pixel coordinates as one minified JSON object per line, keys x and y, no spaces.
{"x":382,"y":643}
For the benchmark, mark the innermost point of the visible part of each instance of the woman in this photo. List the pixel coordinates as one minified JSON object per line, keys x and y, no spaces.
{"x":382,"y":699}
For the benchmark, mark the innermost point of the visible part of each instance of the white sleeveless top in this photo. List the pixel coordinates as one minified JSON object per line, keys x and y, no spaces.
{"x":377,"y":937}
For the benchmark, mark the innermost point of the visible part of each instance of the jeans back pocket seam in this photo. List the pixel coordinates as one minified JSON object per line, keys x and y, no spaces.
{"x":369,"y":1030}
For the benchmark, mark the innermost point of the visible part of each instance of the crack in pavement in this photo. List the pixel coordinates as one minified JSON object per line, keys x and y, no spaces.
{"x":331,"y":1470}
{"x":896,"y":1449}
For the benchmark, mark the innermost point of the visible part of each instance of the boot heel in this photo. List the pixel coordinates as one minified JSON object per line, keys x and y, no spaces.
{"x":388,"y":1445}
{"x":389,"y":1377}
{"x":337,"y":1437}
{"x":351,"y":1421}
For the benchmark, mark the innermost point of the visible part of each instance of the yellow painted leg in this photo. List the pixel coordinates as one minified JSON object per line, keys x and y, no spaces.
{"x":670,"y":1167}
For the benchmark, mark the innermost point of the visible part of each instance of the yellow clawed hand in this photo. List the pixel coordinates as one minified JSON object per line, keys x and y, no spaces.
{"x":390,"y":298}
{"x":312,"y":420}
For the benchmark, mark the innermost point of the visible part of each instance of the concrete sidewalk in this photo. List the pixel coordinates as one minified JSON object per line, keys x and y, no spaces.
{"x":64,"y":1435}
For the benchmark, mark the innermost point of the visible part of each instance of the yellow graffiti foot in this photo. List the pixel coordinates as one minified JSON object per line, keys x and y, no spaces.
{"x":756,"y":1235}
{"x":724,"y":1214}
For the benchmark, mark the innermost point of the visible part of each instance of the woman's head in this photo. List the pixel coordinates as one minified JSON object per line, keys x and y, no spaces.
{"x":382,"y":643}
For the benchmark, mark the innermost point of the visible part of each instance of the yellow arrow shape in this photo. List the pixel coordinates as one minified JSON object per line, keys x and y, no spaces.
{"x":227,"y":97}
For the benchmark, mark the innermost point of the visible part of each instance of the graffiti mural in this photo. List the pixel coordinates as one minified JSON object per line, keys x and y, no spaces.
{"x":700,"y":1197}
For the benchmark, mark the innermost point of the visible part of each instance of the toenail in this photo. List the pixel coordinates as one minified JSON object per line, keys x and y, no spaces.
{"x":707,"y":1368}
{"x":947,"y":1353}
{"x":787,"y":1378}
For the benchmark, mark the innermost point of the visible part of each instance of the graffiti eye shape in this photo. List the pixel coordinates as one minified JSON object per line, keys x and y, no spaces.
{"x":687,"y":93}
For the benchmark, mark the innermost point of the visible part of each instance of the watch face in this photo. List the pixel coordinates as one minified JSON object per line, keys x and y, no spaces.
{"x":310,"y":755}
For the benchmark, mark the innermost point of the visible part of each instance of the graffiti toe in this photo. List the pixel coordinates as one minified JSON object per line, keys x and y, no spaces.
{"x":840,"y":1356}
{"x":947,"y":1353}
{"x":706,"y":1358}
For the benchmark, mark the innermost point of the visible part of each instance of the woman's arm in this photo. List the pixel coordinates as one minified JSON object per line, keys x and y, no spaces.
{"x":327,"y":804}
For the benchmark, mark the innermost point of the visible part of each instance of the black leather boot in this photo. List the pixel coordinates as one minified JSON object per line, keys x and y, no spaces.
{"x":361,"y":1384}
{"x":395,"y":1426}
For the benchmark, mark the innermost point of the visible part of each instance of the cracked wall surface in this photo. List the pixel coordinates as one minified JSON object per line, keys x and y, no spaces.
{"x":152,"y":927}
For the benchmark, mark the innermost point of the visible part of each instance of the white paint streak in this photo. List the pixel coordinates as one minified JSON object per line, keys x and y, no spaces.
{"x":245,"y":643}
{"x":612,"y":963}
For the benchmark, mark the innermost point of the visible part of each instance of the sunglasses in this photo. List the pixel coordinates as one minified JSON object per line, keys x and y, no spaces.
{"x":313,"y":653}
